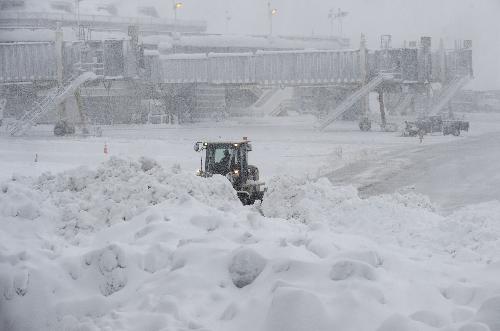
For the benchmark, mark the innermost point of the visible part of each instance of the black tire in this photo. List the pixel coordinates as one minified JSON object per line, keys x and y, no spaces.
{"x":244,"y":198}
{"x":59,"y":129}
{"x":365,"y":125}
{"x":364,"y":128}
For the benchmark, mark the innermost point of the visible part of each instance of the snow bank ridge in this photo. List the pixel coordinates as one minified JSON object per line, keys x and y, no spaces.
{"x":115,"y":192}
{"x":135,"y":246}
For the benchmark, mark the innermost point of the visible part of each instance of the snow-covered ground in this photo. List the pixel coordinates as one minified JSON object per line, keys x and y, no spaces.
{"x":122,"y":242}
{"x":281,"y":145}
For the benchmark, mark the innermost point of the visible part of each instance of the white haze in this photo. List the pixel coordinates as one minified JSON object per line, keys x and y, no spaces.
{"x":404,"y":19}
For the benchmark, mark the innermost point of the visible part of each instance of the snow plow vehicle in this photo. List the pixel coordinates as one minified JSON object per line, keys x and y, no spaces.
{"x":432,"y":124}
{"x":230,"y":159}
{"x":424,"y":125}
{"x":454,"y":127}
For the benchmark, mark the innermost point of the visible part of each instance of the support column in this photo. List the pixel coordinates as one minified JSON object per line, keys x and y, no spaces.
{"x":79,"y":108}
{"x":60,"y":107}
{"x":442,"y":62}
{"x":363,"y":70}
{"x":59,"y":53}
{"x":450,"y":110}
{"x":134,"y":55}
{"x":413,"y":107}
{"x":382,"y":109}
{"x":428,"y":99}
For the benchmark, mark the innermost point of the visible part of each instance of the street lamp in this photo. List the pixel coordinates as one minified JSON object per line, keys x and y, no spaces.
{"x":271,"y":13}
{"x":176,"y":6}
{"x":339,"y":16}
{"x":228,"y":19}
{"x":77,"y":14}
{"x":331,"y":16}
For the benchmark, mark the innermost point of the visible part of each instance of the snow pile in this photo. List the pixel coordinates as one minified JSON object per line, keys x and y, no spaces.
{"x":19,"y":201}
{"x":304,"y":200}
{"x":346,"y":269}
{"x":115,"y":192}
{"x":135,"y":246}
{"x":489,"y":313}
{"x":296,"y":310}
{"x":474,"y":231}
{"x":471,"y":233}
{"x":109,"y":266}
{"x":246,"y":265}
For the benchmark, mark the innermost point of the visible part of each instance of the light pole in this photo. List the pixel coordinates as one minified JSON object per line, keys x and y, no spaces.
{"x":77,"y":13}
{"x":331,"y":17}
{"x":228,"y":19}
{"x":176,"y":6}
{"x":339,"y":16}
{"x":271,"y":12}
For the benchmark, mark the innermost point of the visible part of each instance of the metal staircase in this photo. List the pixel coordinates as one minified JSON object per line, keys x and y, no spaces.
{"x":265,"y":97}
{"x":42,"y":107}
{"x":283,"y":108}
{"x":272,"y":102}
{"x":449,"y":92}
{"x":345,"y":105}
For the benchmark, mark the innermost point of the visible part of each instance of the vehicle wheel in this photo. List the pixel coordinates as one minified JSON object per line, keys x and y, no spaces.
{"x":59,"y":129}
{"x":244,"y":198}
{"x":365,"y":126}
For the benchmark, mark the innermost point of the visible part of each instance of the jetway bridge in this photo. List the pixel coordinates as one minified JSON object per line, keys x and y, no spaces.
{"x":262,"y":67}
{"x":22,"y":62}
{"x":202,"y":80}
{"x":309,"y":67}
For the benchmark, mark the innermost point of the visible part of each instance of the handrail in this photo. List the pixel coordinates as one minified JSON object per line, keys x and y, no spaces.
{"x":56,"y":95}
{"x":347,"y":103}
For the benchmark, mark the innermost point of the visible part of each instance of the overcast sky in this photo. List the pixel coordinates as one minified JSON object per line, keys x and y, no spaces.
{"x":478,"y":20}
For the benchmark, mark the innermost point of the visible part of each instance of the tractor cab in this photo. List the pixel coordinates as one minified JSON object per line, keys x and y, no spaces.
{"x":230,"y":159}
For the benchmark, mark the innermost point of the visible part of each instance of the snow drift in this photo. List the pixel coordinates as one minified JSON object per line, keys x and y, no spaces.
{"x":136,"y":246}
